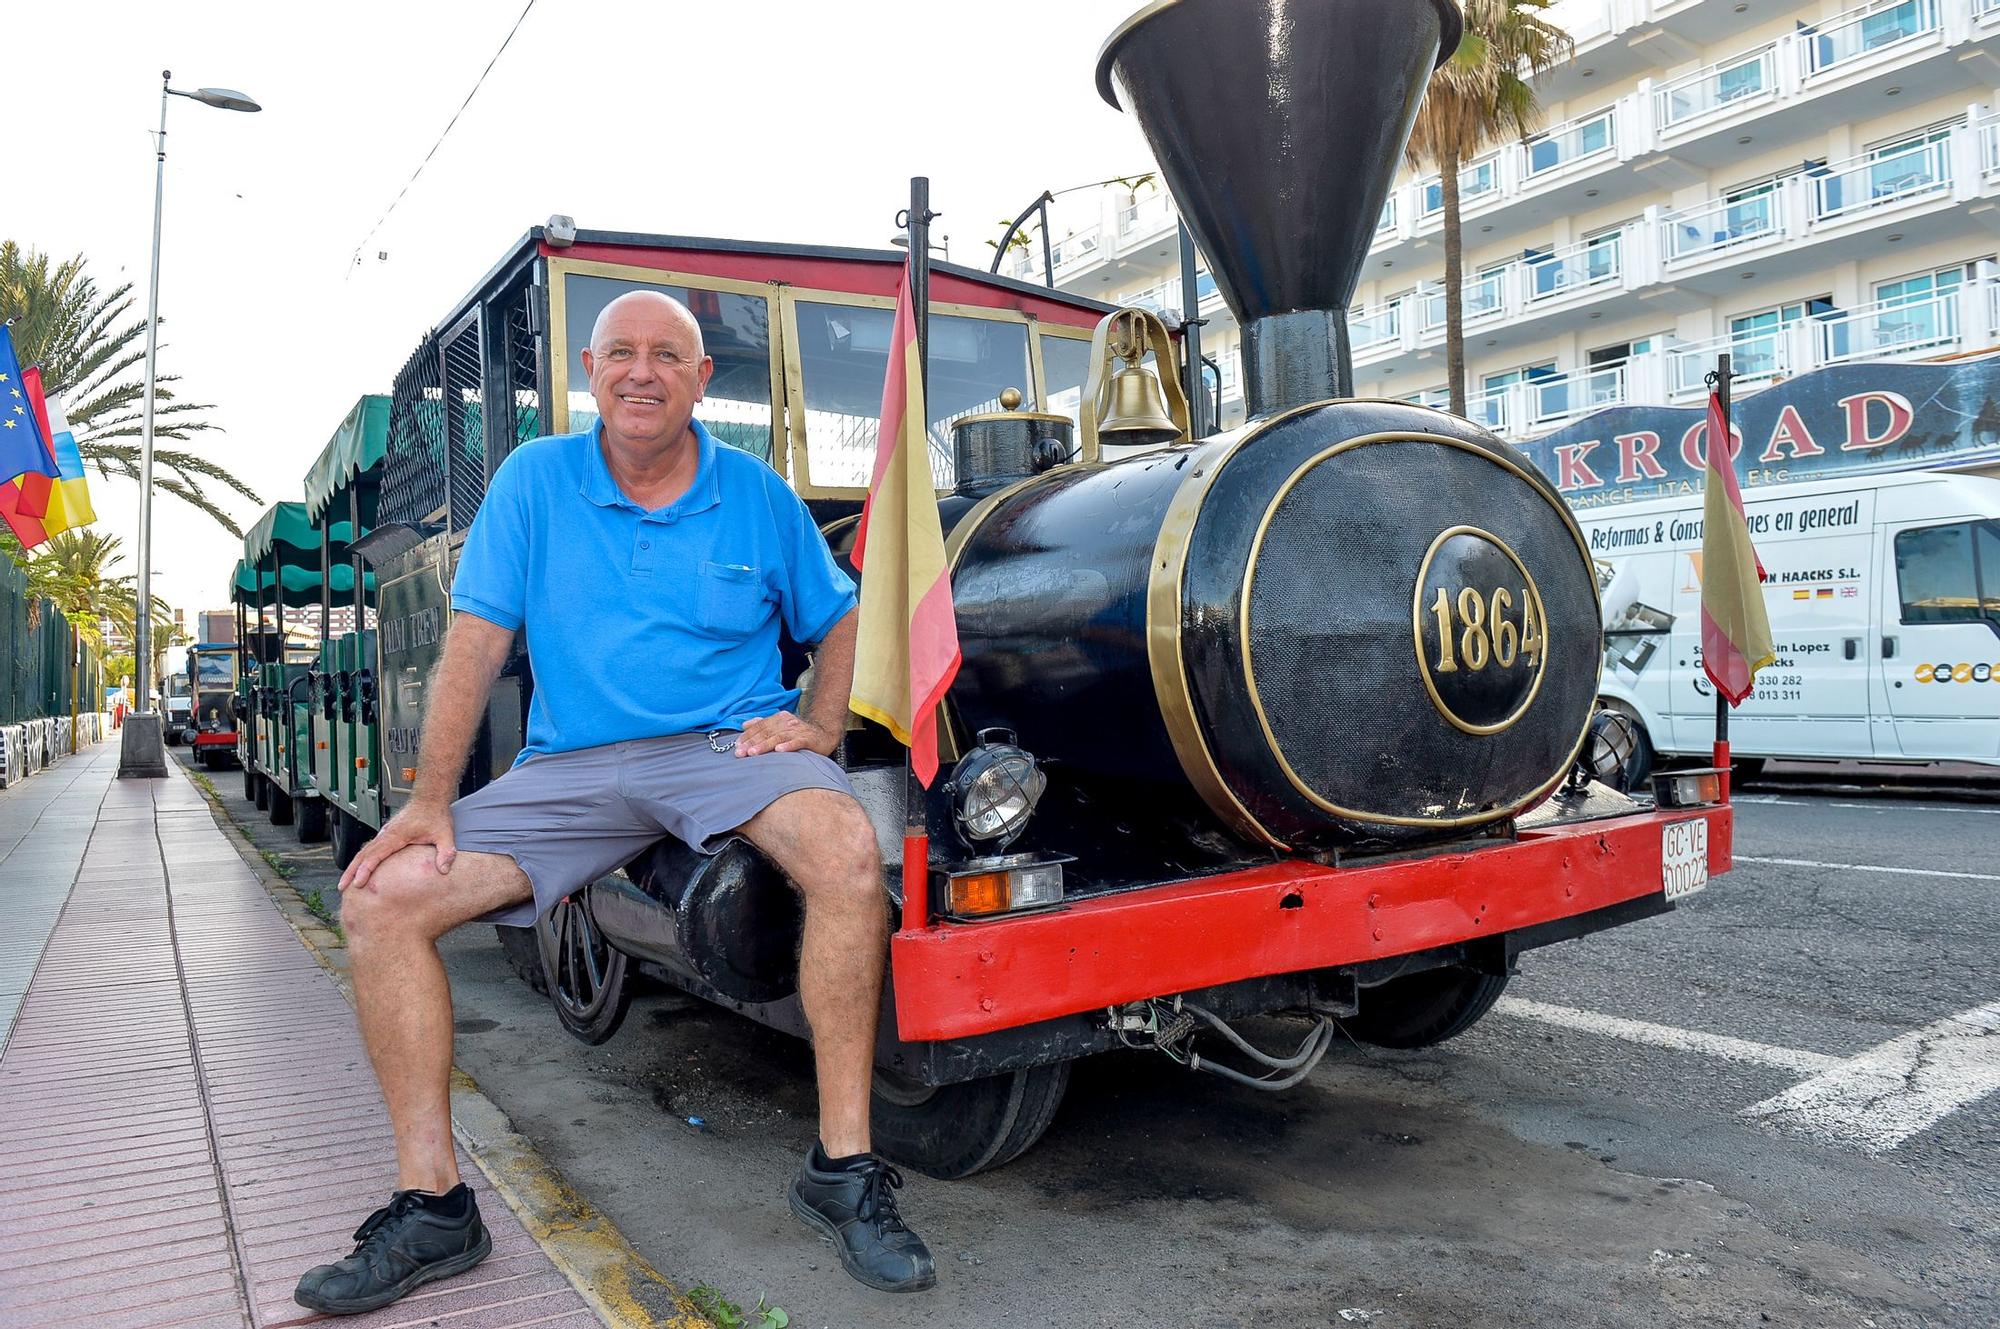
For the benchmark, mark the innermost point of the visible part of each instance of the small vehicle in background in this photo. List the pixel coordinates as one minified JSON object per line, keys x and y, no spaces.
{"x":179,"y":708}
{"x":211,"y":719}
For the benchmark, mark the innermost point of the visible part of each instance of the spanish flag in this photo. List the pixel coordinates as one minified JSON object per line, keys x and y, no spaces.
{"x":1735,"y":630}
{"x":906,"y":653}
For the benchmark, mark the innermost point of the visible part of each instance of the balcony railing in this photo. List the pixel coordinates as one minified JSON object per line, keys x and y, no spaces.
{"x":1738,"y":81}
{"x":1720,"y":224}
{"x":1870,"y":28}
{"x":1386,"y":224}
{"x":1477,"y":181}
{"x":1872,"y":182}
{"x":1374,"y":327}
{"x":1145,"y":216}
{"x":1755,"y":357}
{"x":1597,"y":262}
{"x":1989,"y":136}
{"x":1566,"y":145}
{"x":1489,"y":408}
{"x":1481,"y":298}
{"x":1074,"y":249}
{"x":1552,"y":401}
{"x":1985,"y":11}
{"x":1891,"y":329}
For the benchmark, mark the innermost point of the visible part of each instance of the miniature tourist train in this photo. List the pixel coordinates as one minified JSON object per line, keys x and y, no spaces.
{"x":1293,"y":720}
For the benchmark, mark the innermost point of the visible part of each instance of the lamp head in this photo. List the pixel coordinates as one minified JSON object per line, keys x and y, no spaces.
{"x":227,"y":99}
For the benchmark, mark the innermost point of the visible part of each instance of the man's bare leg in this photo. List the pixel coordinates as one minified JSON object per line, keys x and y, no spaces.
{"x":823,"y":841}
{"x":401,"y":996}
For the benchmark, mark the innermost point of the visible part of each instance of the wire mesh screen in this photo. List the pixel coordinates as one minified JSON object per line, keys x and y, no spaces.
{"x":523,"y":370}
{"x":465,"y":424}
{"x":413,"y":473}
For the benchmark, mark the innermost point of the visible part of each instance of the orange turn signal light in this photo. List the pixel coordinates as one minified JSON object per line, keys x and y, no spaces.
{"x":981,"y":893}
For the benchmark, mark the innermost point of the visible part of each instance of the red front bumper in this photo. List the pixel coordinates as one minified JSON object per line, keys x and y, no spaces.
{"x":958,"y":980}
{"x":213,"y":740}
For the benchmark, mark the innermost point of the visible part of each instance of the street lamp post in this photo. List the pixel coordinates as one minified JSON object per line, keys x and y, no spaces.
{"x":142,"y":751}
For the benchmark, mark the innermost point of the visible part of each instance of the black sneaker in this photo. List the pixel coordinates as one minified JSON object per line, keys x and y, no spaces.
{"x":855,"y":1209}
{"x":415,"y":1239}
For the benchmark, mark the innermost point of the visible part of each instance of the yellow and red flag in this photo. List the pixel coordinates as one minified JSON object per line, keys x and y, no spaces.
{"x":35,"y":486}
{"x":1735,"y":630}
{"x":906,"y":652}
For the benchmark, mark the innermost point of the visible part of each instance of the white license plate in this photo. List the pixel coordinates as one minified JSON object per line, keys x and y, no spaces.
{"x":1684,"y":857}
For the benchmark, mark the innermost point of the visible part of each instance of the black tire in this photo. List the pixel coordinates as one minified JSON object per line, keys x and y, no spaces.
{"x":1418,"y":1010}
{"x":310,"y":823}
{"x":952,"y":1131}
{"x":1639,"y":768}
{"x":587,"y":979}
{"x":524,"y":955}
{"x":349,"y":835}
{"x":258,"y":790}
{"x":283,"y":807}
{"x":1744,"y":769}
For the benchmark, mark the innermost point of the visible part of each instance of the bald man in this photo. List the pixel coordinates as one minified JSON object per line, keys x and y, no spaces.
{"x":651,"y":570}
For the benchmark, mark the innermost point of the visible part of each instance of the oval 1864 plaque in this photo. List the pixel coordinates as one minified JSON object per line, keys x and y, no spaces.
{"x":1480,"y":632}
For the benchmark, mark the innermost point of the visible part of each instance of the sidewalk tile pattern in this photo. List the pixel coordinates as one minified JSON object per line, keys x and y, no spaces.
{"x":187,"y":1119}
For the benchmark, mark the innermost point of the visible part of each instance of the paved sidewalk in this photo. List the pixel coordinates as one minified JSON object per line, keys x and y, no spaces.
{"x":187,"y":1119}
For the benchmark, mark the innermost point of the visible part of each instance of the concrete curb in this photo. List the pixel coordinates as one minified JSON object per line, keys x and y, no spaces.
{"x":618,"y":1282}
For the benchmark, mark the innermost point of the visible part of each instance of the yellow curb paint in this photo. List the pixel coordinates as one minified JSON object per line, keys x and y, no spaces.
{"x":620,"y":1284}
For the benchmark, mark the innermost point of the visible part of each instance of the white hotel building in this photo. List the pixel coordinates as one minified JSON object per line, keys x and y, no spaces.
{"x":1799,"y":184}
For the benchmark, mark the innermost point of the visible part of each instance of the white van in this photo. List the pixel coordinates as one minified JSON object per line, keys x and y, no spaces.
{"x":1884,"y":597}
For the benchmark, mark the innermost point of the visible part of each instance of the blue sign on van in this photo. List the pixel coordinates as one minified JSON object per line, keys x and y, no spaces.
{"x":1841,"y":420}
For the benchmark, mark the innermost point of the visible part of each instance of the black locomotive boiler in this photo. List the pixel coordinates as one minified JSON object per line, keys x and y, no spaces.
{"x":1282,"y":720}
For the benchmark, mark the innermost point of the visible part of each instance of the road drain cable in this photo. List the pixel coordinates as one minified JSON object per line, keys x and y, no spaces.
{"x":1170,"y":1028}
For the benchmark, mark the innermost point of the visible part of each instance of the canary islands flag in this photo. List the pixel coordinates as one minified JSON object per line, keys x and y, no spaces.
{"x":69,"y":501}
{"x":1735,"y":630}
{"x":906,"y":652}
{"x":24,"y":450}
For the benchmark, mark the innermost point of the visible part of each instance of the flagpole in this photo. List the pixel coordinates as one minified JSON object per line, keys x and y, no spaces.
{"x":1722,"y":376}
{"x":916,"y":828}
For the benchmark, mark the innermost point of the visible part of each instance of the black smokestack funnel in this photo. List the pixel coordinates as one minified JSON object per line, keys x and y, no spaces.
{"x":1278,"y":125}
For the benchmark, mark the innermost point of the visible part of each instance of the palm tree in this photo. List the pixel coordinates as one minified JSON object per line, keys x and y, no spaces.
{"x":74,"y":571}
{"x":88,"y":343}
{"x":1481,"y":96}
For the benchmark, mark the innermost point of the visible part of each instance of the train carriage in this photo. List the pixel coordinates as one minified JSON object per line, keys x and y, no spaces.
{"x":343,"y":492}
{"x":1294,"y":719}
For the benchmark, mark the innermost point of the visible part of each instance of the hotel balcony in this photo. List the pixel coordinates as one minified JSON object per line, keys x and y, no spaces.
{"x":1963,"y":319}
{"x":1696,"y":258}
{"x":1668,"y":133}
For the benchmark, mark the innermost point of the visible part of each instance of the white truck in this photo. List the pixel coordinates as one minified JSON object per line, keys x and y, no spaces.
{"x":1884,"y":598}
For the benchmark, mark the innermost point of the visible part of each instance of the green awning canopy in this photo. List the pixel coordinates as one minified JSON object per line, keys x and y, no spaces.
{"x":301,"y":585}
{"x":352,"y":457}
{"x":287,"y":530}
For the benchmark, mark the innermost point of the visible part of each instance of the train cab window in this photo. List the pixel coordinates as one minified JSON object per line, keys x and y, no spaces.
{"x":1065,"y":365}
{"x":844,"y":358}
{"x":1949,"y":574}
{"x":735,"y":330}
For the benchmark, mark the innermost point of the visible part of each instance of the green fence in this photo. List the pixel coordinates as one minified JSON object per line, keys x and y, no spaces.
{"x":35,"y":666}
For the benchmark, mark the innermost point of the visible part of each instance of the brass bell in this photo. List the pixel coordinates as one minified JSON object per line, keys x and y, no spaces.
{"x":1132,"y":407}
{"x":1138,"y":413}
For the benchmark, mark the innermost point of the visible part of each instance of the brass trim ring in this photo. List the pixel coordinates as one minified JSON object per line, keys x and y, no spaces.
{"x":1417,"y":630}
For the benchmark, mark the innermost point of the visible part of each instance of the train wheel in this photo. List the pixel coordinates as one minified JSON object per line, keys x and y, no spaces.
{"x":524,"y":955}
{"x":950,"y":1131}
{"x":311,"y":821}
{"x":1418,"y":1010}
{"x":587,"y":979}
{"x":284,"y":808}
{"x":257,"y":789}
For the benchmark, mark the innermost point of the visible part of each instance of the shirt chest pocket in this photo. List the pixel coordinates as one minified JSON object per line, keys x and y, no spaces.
{"x":733,"y":600}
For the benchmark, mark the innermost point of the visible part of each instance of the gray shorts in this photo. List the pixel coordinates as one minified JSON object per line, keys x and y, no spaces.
{"x":570,"y":817}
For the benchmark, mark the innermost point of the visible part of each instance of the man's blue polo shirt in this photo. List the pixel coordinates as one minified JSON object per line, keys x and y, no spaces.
{"x":639,"y":623}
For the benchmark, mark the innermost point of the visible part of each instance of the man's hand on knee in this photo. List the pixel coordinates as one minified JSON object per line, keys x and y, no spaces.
{"x":416,"y":824}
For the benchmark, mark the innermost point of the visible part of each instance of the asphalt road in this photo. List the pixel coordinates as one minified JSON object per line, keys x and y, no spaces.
{"x":1663,"y":1125}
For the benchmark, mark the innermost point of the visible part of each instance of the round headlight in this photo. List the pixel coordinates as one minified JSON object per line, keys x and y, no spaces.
{"x":994,"y":789}
{"x":1613,"y":740}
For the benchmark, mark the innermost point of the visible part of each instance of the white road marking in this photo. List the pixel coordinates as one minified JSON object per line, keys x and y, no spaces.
{"x":1773,"y":800}
{"x":1867,"y":867}
{"x":1666,"y":1036}
{"x":1889,"y":1093}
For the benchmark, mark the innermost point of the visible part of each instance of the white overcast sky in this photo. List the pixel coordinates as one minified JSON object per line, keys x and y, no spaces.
{"x":783,"y":120}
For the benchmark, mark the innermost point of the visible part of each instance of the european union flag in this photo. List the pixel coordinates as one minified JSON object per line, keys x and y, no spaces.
{"x":23,"y":450}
